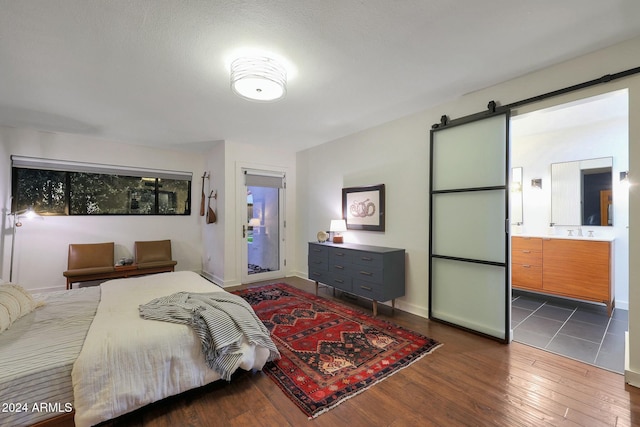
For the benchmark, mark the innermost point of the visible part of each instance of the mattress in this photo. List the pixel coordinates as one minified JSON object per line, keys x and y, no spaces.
{"x":37,"y":354}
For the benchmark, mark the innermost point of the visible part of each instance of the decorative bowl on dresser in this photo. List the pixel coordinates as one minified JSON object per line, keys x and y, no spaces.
{"x":373,"y":272}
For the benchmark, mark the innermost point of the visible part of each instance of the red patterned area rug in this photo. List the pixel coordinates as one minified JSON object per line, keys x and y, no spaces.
{"x":329,"y":351}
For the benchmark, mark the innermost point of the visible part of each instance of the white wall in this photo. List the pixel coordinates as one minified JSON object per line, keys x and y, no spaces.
{"x":396,"y":154}
{"x":41,"y":245}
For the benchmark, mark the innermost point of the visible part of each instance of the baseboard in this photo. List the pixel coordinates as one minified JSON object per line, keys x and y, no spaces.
{"x":630,"y":377}
{"x":211,"y":277}
{"x":622,"y":305}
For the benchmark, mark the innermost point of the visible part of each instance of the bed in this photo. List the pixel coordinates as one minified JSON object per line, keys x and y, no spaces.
{"x":122,"y":362}
{"x":37,"y":354}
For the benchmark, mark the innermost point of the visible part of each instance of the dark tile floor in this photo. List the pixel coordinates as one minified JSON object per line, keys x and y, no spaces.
{"x":570,"y":328}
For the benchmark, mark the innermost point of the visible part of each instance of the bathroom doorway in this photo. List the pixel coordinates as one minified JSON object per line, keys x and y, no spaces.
{"x":595,"y":127}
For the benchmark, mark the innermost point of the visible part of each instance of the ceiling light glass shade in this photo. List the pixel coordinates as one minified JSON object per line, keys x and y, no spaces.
{"x":258,"y":79}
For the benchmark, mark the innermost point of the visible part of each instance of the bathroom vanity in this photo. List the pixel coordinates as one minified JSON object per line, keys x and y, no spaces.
{"x":576,"y":268}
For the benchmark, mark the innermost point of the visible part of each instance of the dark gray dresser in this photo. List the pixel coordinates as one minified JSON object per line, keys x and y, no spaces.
{"x":372,"y":272}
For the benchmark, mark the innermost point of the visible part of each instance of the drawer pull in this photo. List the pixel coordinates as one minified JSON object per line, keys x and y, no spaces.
{"x":339,"y":253}
{"x":366,"y":273}
{"x":366,"y":288}
{"x":366,"y":258}
{"x":316,"y":274}
{"x":316,"y":250}
{"x":338,"y":281}
{"x":317,"y":262}
{"x":339,"y":267}
{"x":526,"y":252}
{"x":526,"y":266}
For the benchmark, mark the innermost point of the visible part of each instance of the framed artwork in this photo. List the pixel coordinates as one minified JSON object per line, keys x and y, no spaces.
{"x":363,"y":207}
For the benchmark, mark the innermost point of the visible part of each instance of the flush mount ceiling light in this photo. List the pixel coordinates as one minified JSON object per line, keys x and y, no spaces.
{"x":258,"y":78}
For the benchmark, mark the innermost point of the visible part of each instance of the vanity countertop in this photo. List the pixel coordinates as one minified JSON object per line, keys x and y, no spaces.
{"x":560,"y":236}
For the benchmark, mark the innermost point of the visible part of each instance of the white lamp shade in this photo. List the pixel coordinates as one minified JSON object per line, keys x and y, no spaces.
{"x":338,"y":225}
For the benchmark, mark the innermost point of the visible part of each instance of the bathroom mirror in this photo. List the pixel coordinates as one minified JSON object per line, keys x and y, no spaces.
{"x":581,"y":192}
{"x":516,"y":196}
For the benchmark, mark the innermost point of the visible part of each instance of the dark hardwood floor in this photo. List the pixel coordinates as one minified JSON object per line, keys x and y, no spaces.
{"x":469,"y":381}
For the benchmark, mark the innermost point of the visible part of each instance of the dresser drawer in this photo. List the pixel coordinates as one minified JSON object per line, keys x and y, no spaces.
{"x":368,"y":259}
{"x":318,"y":263}
{"x":339,"y":281}
{"x":368,"y":273}
{"x":340,"y":268}
{"x":369,"y":290}
{"x":318,"y":275}
{"x":318,"y":250}
{"x":341,"y":256}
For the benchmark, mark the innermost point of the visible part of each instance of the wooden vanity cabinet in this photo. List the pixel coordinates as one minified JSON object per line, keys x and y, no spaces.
{"x":578,"y":269}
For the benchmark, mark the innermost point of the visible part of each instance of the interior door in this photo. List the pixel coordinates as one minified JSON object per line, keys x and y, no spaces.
{"x":263,"y":225}
{"x":469,"y":284}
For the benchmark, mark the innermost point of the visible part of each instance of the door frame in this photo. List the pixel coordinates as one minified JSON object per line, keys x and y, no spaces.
{"x":240,"y":241}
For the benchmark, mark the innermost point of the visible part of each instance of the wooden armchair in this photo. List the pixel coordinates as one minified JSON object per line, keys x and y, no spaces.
{"x":89,"y":261}
{"x":154,"y":256}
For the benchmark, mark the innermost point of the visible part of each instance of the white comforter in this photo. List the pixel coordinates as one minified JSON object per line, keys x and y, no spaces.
{"x":127,"y":362}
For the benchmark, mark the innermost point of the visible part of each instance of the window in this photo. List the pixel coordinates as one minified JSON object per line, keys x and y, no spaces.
{"x":69,"y":188}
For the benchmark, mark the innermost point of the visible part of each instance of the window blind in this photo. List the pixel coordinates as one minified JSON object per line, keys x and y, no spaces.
{"x":71,"y":166}
{"x":256,"y":178}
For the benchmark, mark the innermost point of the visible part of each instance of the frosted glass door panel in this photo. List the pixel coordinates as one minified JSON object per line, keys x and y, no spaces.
{"x":469,"y":274}
{"x":470,"y":295}
{"x":461,"y":155}
{"x":469,"y":225}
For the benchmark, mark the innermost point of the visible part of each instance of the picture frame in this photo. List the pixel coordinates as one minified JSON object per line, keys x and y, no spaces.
{"x":363,"y":208}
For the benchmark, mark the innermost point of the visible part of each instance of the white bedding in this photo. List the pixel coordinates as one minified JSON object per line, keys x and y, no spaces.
{"x":127,"y":362}
{"x":37,"y":354}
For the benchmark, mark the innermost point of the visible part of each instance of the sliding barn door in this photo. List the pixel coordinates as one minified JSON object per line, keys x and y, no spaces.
{"x":469,"y":283}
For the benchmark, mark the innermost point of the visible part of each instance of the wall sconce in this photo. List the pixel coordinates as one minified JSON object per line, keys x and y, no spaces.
{"x":337,"y":227}
{"x":17,"y":216}
{"x":536,"y":183}
{"x":624,"y":175}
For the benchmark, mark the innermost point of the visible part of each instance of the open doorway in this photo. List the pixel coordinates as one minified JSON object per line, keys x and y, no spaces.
{"x":262,"y":219}
{"x":571,"y":135}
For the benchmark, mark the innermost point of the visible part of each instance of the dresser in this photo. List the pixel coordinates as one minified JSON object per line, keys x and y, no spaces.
{"x":575,"y":268}
{"x":373,"y":272}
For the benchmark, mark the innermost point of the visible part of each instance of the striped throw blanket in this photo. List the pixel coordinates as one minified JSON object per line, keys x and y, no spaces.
{"x":219,"y":319}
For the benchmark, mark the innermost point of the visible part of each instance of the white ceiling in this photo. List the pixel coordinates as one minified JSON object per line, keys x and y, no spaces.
{"x":155,"y":72}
